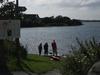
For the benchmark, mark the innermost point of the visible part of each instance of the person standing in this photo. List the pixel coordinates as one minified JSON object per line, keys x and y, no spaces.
{"x":46,"y":49}
{"x":40,"y":48}
{"x":54,"y":48}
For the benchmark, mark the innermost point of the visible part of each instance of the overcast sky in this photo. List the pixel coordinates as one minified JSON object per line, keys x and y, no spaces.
{"x":79,"y":9}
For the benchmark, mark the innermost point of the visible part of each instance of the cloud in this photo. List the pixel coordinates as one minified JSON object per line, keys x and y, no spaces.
{"x":79,"y":3}
{"x":61,"y":3}
{"x":72,"y":8}
{"x":94,"y":4}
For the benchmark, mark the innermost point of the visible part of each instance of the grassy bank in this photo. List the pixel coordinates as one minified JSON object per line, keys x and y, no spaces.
{"x":17,"y":59}
{"x":36,"y":64}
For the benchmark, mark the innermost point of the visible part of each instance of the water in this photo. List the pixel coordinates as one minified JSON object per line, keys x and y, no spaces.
{"x":64,"y":36}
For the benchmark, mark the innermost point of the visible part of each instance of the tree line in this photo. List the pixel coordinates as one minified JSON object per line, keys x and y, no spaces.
{"x":59,"y":21}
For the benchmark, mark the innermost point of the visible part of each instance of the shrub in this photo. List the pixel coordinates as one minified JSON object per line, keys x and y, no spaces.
{"x":78,"y":62}
{"x":12,"y":51}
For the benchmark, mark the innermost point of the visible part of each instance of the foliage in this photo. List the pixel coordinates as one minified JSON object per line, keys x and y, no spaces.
{"x":1,"y":1}
{"x":12,"y":50}
{"x":9,"y":10}
{"x":78,"y":62}
{"x":59,"y":20}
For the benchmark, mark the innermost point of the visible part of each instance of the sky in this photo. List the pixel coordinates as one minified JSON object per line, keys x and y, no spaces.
{"x":77,"y":9}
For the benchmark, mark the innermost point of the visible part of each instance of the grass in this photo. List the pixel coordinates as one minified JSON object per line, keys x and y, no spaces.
{"x":36,"y":64}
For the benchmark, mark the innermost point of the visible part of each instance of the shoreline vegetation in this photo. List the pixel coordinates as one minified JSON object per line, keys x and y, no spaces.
{"x":81,"y":58}
{"x":49,"y":21}
{"x":31,"y":20}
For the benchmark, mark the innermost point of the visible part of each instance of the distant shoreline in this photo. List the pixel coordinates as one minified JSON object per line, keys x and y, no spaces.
{"x":90,"y":20}
{"x":53,"y":26}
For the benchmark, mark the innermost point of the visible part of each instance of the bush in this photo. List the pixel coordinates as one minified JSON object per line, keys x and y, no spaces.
{"x":78,"y":62}
{"x":12,"y":51}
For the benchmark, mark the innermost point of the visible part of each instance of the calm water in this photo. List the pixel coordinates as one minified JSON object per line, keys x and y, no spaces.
{"x":64,"y":36}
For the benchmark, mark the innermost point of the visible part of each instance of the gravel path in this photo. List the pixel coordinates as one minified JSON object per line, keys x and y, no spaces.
{"x":54,"y":72}
{"x":22,"y":73}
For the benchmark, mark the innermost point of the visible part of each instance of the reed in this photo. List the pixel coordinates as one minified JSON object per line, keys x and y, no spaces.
{"x":79,"y":61}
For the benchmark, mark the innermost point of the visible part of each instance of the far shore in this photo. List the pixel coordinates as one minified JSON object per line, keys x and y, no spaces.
{"x":65,"y":25}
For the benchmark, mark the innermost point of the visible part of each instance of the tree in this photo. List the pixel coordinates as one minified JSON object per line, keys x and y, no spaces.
{"x":61,"y":19}
{"x":1,"y":1}
{"x":11,"y":10}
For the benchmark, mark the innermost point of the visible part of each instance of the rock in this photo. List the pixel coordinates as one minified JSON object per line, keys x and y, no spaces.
{"x":95,"y":69}
{"x":56,"y":58}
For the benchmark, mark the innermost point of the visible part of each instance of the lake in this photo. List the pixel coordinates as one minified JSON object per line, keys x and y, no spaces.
{"x":64,"y":36}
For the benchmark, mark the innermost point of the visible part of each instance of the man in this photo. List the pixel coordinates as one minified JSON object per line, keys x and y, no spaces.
{"x":40,"y":48}
{"x":54,"y":48}
{"x":46,"y":49}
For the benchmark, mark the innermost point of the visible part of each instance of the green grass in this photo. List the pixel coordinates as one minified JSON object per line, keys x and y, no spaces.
{"x":36,"y":64}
